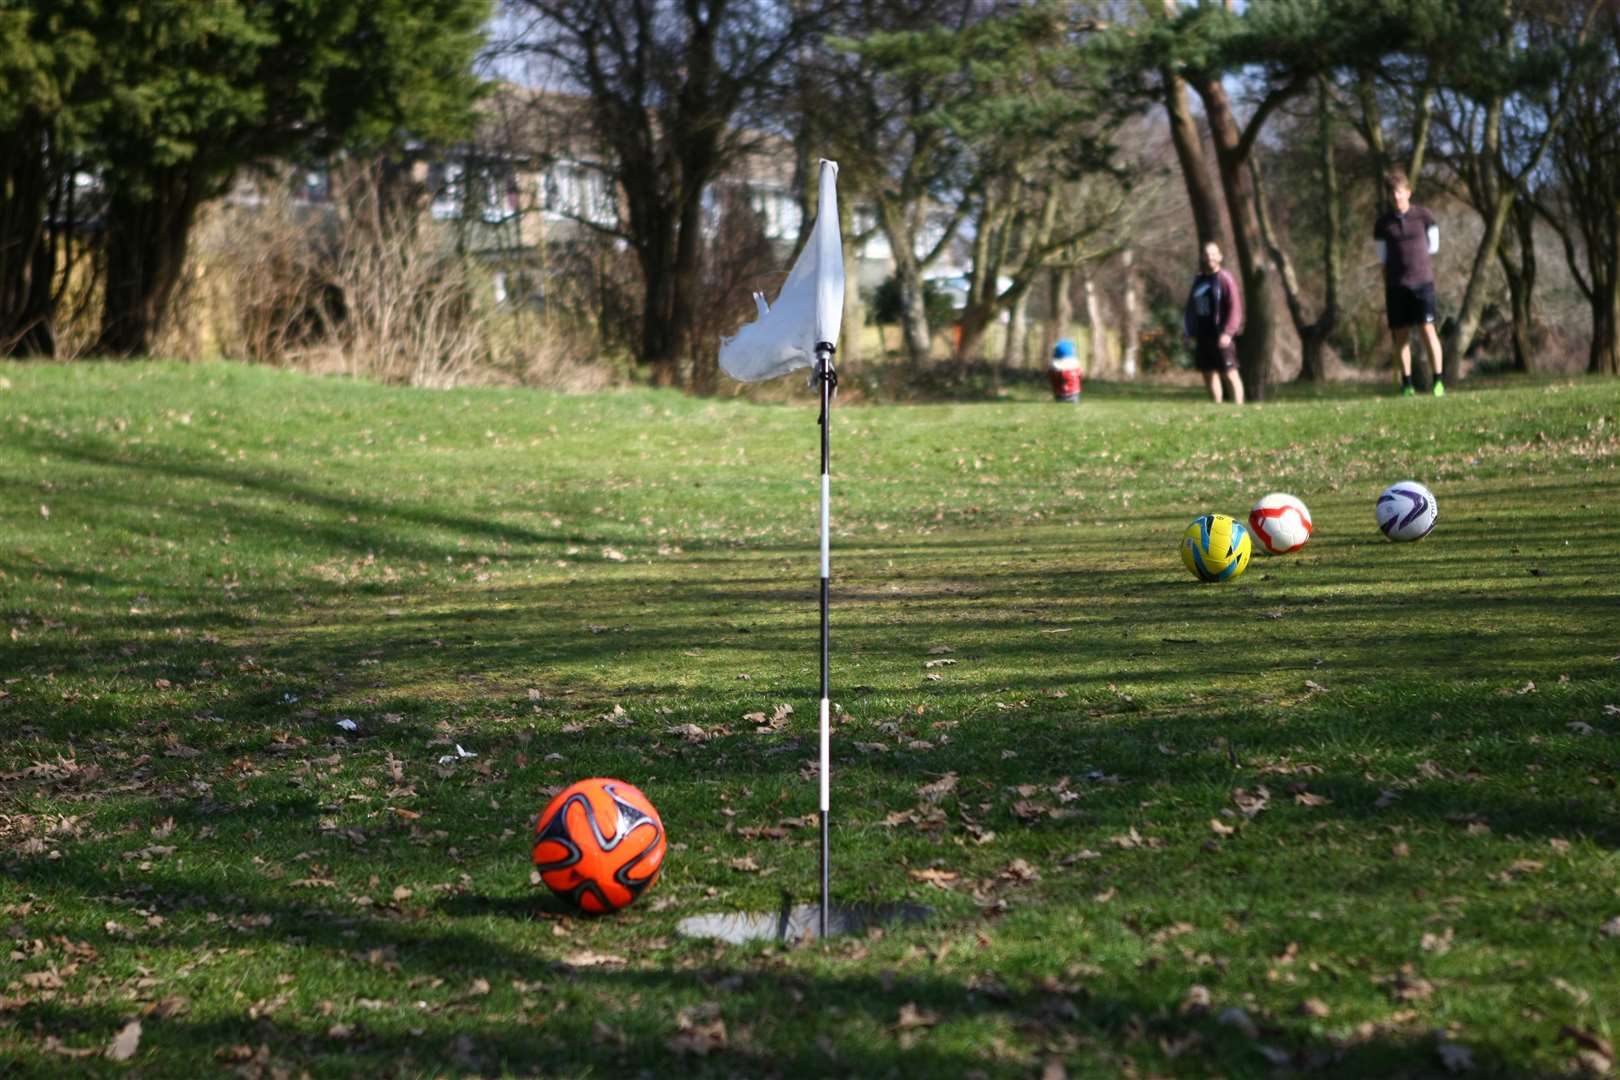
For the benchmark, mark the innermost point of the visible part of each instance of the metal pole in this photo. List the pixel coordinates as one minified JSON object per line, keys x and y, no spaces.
{"x":829,"y":381}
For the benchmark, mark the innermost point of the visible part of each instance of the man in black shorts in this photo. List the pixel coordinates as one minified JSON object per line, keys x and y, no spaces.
{"x":1405,"y":237}
{"x":1212,"y":321}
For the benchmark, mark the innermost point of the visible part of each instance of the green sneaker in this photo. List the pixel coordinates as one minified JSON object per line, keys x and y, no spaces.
{"x":1409,"y":391}
{"x":1439,"y":388}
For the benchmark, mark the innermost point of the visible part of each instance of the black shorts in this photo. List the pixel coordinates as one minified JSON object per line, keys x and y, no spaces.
{"x":1209,"y":356}
{"x":1409,"y":305}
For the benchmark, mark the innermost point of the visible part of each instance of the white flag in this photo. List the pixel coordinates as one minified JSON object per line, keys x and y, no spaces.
{"x":809,"y":309}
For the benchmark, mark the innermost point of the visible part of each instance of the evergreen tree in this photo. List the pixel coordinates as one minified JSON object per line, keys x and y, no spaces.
{"x":169,"y":100}
{"x":200,"y":91}
{"x":45,"y":53}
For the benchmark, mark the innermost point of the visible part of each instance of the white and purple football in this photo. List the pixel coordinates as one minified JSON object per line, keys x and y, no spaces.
{"x":1407,"y":511}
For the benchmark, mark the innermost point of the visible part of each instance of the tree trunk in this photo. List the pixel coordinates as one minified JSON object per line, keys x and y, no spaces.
{"x":1520,"y":270}
{"x":854,"y":317}
{"x":1312,"y":335}
{"x":25,"y":183}
{"x":970,"y":331}
{"x":1015,"y":350}
{"x":1131,"y":328}
{"x":990,"y":242}
{"x":1605,"y":355}
{"x":1372,"y":130}
{"x":656,"y":253}
{"x":683,"y":300}
{"x":1061,"y":282}
{"x":1455,"y":344}
{"x":1094,"y":320}
{"x":1206,"y":206}
{"x":147,"y":234}
{"x":1259,"y":338}
{"x":908,"y":278}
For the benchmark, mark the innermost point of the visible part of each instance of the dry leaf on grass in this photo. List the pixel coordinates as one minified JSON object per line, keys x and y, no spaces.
{"x":591,"y":958}
{"x":126,"y":1042}
{"x":912,"y":1017}
{"x":700,"y":1032}
{"x":1250,"y":803}
{"x":1587,"y":1040}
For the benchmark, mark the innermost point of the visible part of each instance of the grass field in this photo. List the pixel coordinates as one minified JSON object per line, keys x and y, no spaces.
{"x":1355,"y":813}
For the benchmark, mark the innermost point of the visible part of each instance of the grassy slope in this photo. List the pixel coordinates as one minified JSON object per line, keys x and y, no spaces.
{"x":204,"y":568}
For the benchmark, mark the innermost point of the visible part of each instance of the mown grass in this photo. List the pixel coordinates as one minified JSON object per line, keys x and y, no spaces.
{"x":1355,"y":813}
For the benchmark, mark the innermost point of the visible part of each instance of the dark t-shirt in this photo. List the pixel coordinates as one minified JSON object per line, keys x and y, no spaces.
{"x":1406,"y":246}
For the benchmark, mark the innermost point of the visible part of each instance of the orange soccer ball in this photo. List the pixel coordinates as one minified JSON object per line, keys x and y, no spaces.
{"x":599,"y":844}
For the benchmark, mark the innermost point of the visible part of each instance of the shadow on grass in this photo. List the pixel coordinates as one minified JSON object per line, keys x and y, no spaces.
{"x":549,"y":1010}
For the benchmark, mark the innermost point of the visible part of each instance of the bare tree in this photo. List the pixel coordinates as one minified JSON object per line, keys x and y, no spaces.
{"x":1313,"y":333}
{"x":1581,"y":204}
{"x":677,"y":90}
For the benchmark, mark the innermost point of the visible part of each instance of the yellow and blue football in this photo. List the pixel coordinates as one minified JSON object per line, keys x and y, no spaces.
{"x":1216,"y":548}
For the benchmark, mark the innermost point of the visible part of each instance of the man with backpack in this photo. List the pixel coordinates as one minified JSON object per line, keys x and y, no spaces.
{"x":1212,"y":321}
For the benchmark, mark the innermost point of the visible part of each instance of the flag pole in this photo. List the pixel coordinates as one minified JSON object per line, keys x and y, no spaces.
{"x":828,"y":377}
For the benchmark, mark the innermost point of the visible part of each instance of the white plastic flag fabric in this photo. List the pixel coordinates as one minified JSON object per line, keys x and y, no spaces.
{"x":808,"y":310}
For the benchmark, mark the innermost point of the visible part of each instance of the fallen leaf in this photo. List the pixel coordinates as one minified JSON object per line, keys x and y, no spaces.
{"x":591,"y":958}
{"x":1315,"y":1008}
{"x":913,"y":1017}
{"x":1028,"y":810}
{"x":689,"y":732}
{"x":745,"y":865}
{"x":1440,"y":943}
{"x":1219,"y":829}
{"x":1587,"y":1040}
{"x":126,"y":1042}
{"x":700,"y":1031}
{"x":1580,"y":997}
{"x":939,"y":788}
{"x":1611,"y":928}
{"x":1019,"y":870}
{"x":1250,"y":803}
{"x":934,"y":876}
{"x":1408,"y":985}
